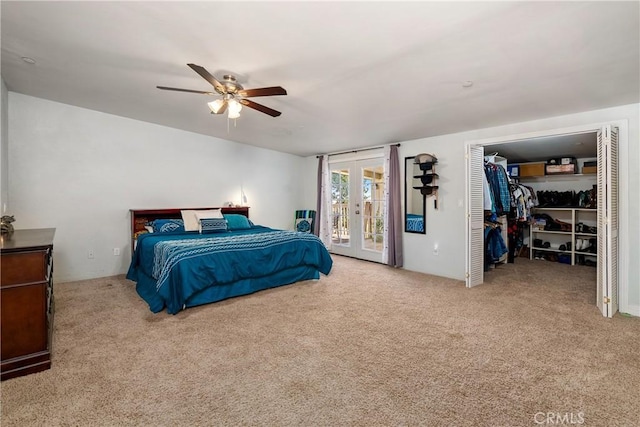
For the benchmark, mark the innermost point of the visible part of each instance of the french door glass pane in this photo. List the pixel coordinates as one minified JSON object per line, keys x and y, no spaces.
{"x":340,"y":207}
{"x":373,"y":208}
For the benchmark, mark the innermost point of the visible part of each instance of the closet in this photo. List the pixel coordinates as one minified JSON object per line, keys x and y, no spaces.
{"x":562,"y":210}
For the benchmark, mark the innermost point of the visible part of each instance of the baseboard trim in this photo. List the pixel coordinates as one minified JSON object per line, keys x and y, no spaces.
{"x":633,"y":310}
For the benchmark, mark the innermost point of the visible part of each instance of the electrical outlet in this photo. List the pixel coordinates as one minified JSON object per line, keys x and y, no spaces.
{"x":435,"y":249}
{"x":116,"y":251}
{"x":90,"y":254}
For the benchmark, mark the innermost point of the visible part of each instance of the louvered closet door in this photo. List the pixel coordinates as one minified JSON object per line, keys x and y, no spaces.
{"x":475,"y":217}
{"x":607,"y":292}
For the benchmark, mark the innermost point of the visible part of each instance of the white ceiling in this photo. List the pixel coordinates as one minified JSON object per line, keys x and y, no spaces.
{"x":358,"y":74}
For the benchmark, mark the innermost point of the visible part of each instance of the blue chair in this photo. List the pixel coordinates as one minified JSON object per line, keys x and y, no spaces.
{"x":305,"y":221}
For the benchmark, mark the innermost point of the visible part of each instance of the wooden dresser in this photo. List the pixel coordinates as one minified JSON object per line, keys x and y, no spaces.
{"x":26,"y":299}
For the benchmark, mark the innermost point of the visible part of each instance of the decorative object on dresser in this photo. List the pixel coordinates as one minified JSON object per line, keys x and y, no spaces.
{"x":5,"y":224}
{"x":26,"y":292}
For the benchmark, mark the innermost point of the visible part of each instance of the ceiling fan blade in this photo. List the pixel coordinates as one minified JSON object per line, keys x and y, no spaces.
{"x":263,"y":91}
{"x":260,"y":107}
{"x":208,"y":77}
{"x":186,"y":90}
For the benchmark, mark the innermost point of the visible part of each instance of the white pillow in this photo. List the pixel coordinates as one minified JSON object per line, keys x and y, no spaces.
{"x":190,"y":220}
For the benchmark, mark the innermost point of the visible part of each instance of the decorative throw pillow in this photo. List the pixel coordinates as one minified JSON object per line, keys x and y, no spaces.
{"x":237,"y":222}
{"x":167,"y":225}
{"x":191,"y":219}
{"x":213,"y":225}
{"x":303,"y":225}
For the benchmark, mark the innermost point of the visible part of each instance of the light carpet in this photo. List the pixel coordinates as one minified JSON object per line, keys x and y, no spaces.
{"x":366,"y":345}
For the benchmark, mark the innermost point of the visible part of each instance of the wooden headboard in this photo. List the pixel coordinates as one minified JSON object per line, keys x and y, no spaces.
{"x":141,"y":217}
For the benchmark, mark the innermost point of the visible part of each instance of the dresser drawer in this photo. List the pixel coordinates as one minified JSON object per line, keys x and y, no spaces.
{"x":24,"y":320}
{"x":23,"y":267}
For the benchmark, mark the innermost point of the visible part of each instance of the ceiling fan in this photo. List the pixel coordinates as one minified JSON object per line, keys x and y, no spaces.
{"x":233,"y":94}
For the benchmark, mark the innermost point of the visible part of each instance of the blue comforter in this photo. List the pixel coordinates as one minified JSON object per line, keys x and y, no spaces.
{"x":170,"y":268}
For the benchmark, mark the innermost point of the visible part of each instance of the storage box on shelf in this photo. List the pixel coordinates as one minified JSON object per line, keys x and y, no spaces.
{"x":531,"y":169}
{"x":571,"y":242}
{"x":561,"y":169}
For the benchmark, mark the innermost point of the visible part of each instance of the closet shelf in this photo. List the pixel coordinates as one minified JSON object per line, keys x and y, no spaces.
{"x":551,"y":250}
{"x":552,"y":232}
{"x":538,"y":208}
{"x":572,"y":216}
{"x":559,"y":177}
{"x":587,"y":253}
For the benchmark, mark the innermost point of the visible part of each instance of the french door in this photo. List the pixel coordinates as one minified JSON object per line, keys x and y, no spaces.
{"x":357,"y":208}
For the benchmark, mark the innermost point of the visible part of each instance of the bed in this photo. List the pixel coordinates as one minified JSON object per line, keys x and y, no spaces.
{"x":178,"y":269}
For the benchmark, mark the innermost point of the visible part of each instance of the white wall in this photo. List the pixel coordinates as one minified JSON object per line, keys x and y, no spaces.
{"x":4,"y":147}
{"x":446,"y":226}
{"x":80,"y":171}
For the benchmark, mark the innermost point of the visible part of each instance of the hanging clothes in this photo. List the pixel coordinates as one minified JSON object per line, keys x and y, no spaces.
{"x":523,"y":200}
{"x":487,"y":196}
{"x":494,"y":245}
{"x":499,"y":186}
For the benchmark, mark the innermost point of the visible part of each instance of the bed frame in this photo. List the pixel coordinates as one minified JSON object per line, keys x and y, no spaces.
{"x":141,"y":217}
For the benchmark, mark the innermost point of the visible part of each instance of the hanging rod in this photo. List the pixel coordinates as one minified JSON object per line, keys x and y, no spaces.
{"x":355,"y":151}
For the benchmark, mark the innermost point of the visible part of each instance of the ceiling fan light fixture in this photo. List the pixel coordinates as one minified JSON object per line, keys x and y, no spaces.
{"x":216,"y":105}
{"x":234,"y":108}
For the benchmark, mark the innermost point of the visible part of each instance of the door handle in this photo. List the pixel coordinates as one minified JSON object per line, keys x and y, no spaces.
{"x":357,"y":212}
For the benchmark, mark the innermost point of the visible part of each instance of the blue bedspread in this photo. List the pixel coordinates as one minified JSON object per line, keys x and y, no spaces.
{"x":171,"y":268}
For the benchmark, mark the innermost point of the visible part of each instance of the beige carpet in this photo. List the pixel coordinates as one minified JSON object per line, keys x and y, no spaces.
{"x":368,"y":345}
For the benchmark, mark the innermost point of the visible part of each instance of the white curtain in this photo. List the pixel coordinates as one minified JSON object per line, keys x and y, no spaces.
{"x":326,"y":212}
{"x":385,"y":247}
